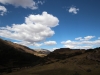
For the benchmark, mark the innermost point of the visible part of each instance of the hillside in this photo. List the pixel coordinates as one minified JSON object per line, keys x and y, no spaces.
{"x":66,"y":61}
{"x":25,"y":49}
{"x":14,"y":56}
{"x":18,"y":60}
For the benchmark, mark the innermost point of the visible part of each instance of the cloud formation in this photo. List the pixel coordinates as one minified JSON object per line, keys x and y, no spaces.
{"x":22,"y":3}
{"x":85,"y":38}
{"x":3,"y":10}
{"x":50,"y":43}
{"x":85,"y":43}
{"x":35,"y":29}
{"x":98,"y":37}
{"x":41,"y":2}
{"x":73,"y":10}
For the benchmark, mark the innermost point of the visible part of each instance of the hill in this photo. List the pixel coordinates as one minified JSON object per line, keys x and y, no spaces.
{"x":18,"y":60}
{"x":14,"y":56}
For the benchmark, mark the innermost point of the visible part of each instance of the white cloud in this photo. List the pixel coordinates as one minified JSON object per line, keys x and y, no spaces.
{"x":35,"y":29}
{"x":26,"y":43}
{"x":98,"y":37}
{"x":37,"y":44}
{"x":85,"y":38}
{"x":83,"y":47}
{"x":88,"y":37}
{"x":79,"y":38}
{"x":3,"y":10}
{"x":23,"y":3}
{"x":44,"y":19}
{"x":73,"y":10}
{"x":69,"y":46}
{"x":85,"y":43}
{"x":41,"y":2}
{"x":50,"y":43}
{"x":55,"y":48}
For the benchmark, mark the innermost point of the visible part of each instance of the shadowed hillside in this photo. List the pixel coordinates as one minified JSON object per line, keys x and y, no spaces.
{"x":15,"y":56}
{"x":64,"y":53}
{"x":66,"y":61}
{"x":16,"y":59}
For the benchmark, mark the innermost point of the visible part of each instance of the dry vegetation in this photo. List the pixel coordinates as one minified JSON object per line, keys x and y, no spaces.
{"x":64,"y":61}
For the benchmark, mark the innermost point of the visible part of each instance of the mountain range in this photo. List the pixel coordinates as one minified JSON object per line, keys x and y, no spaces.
{"x":17,"y":59}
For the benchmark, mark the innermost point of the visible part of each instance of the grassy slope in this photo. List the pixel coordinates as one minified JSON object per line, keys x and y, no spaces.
{"x":61,"y":62}
{"x":77,"y":65}
{"x":14,"y":57}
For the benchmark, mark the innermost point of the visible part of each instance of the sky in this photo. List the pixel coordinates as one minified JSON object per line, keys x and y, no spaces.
{"x":51,"y":24}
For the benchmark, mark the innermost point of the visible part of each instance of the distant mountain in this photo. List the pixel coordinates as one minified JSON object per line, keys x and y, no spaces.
{"x":42,"y":52}
{"x":66,"y":53}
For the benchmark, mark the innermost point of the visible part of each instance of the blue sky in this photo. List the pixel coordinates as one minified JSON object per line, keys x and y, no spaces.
{"x":51,"y":24}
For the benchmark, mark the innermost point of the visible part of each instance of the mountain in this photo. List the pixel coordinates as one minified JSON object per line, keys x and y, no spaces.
{"x":17,"y":59}
{"x":63,"y":53}
{"x":42,"y":52}
{"x":14,"y":56}
{"x":65,"y":61}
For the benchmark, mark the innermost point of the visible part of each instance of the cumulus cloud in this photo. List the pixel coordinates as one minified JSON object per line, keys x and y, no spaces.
{"x":26,"y":43}
{"x":35,"y":29}
{"x":85,"y":43}
{"x":73,"y":10}
{"x":3,"y":10}
{"x":22,"y":3}
{"x":37,"y":44}
{"x":45,"y":19}
{"x":50,"y":43}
